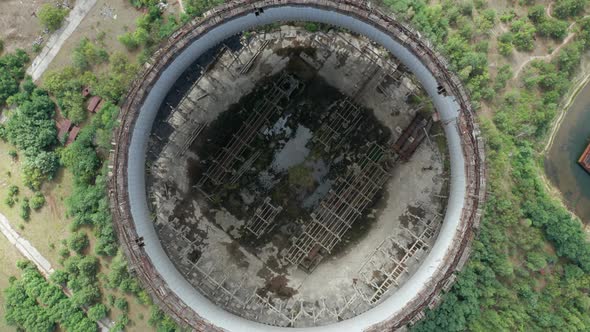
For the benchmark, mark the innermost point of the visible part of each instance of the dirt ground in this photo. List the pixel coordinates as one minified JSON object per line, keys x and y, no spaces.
{"x":111,"y":17}
{"x":114,"y":18}
{"x":18,"y":27}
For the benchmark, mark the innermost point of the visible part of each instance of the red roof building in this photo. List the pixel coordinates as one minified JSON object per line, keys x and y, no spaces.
{"x":93,"y":104}
{"x":584,"y":160}
{"x":62,"y":128}
{"x":86,"y":92}
{"x":73,"y":134}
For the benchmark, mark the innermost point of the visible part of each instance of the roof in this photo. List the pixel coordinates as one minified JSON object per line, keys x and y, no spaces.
{"x":93,"y":104}
{"x":584,"y":160}
{"x":86,"y":92}
{"x":63,"y":127}
{"x":73,"y":134}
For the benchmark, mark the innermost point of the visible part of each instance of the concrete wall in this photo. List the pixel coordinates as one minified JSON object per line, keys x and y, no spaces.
{"x":128,"y":194}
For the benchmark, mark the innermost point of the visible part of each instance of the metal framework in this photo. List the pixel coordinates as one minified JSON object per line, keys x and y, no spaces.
{"x":343,"y":119}
{"x":263,"y":218}
{"x":227,"y":163}
{"x":339,"y":210}
{"x":472,"y":145}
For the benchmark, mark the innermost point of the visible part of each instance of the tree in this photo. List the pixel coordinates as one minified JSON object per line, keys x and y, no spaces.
{"x":122,"y":304}
{"x":38,"y":168}
{"x":78,"y":241}
{"x":37,"y":201}
{"x":87,"y":54}
{"x":97,"y":312}
{"x":568,"y":8}
{"x":25,"y":209}
{"x":524,"y":35}
{"x":31,"y":127}
{"x":11,"y":72}
{"x":51,"y":16}
{"x":66,"y":86}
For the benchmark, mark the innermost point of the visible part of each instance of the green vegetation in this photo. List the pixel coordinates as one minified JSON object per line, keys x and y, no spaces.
{"x":78,"y":242}
{"x":569,"y":8}
{"x":30,"y":127}
{"x":37,"y":201}
{"x":530,"y":265}
{"x":51,"y":16}
{"x":67,"y":84}
{"x":547,"y":26}
{"x":34,"y":304}
{"x":25,"y":209}
{"x":12,"y":71}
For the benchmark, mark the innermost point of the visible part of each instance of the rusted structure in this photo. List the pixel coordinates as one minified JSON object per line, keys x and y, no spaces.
{"x":340,"y":209}
{"x":584,"y":160}
{"x":471,"y":144}
{"x":412,"y":136}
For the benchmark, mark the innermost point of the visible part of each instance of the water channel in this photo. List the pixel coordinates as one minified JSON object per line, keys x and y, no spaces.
{"x":561,"y":161}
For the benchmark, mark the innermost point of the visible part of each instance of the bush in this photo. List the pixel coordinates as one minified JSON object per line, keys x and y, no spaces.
{"x":97,"y":312}
{"x":13,"y":190}
{"x":567,"y":8}
{"x":39,"y":168}
{"x":25,"y":209}
{"x":51,"y":16}
{"x":87,"y":54}
{"x":524,"y":35}
{"x":78,"y":241}
{"x":12,"y":71}
{"x":122,"y":304}
{"x":37,"y":201}
{"x":9,"y":201}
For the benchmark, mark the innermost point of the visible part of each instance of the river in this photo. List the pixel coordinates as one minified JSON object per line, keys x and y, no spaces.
{"x":561,"y":161}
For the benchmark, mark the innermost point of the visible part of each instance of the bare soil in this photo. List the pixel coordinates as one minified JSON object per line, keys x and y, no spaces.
{"x":19,"y":28}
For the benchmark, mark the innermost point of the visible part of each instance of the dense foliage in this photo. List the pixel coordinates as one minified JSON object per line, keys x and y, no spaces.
{"x":31,"y":128}
{"x":34,"y":304}
{"x":12,"y":71}
{"x":52,"y":16}
{"x":530,"y":266}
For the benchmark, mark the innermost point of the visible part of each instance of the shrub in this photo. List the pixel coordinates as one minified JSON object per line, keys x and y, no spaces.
{"x":9,"y":201}
{"x":78,"y":241}
{"x":25,"y":209}
{"x":51,"y":16}
{"x":97,"y":312}
{"x":122,"y":304}
{"x":13,"y":190}
{"x":37,"y":201}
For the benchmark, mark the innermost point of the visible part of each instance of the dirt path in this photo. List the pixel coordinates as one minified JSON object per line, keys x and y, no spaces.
{"x":549,"y":56}
{"x":58,"y":38}
{"x":25,"y":247}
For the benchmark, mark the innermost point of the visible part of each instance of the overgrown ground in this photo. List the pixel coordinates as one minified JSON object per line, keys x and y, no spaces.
{"x":47,"y":226}
{"x":18,"y":27}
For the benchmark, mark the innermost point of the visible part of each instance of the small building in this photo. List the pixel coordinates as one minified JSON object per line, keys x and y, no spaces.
{"x":584,"y":160}
{"x":63,"y":127}
{"x":94,"y":103}
{"x":86,"y":92}
{"x":73,"y":134}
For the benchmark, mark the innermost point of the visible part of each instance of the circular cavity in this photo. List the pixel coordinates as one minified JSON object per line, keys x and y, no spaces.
{"x":128,"y":188}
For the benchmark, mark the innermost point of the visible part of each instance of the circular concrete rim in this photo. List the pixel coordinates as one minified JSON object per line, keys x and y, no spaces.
{"x":127,"y":186}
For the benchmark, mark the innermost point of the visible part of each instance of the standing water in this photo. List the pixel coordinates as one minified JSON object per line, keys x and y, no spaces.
{"x":561,"y":161}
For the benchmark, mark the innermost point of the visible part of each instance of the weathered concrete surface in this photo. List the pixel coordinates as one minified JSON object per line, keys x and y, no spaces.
{"x":467,"y":180}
